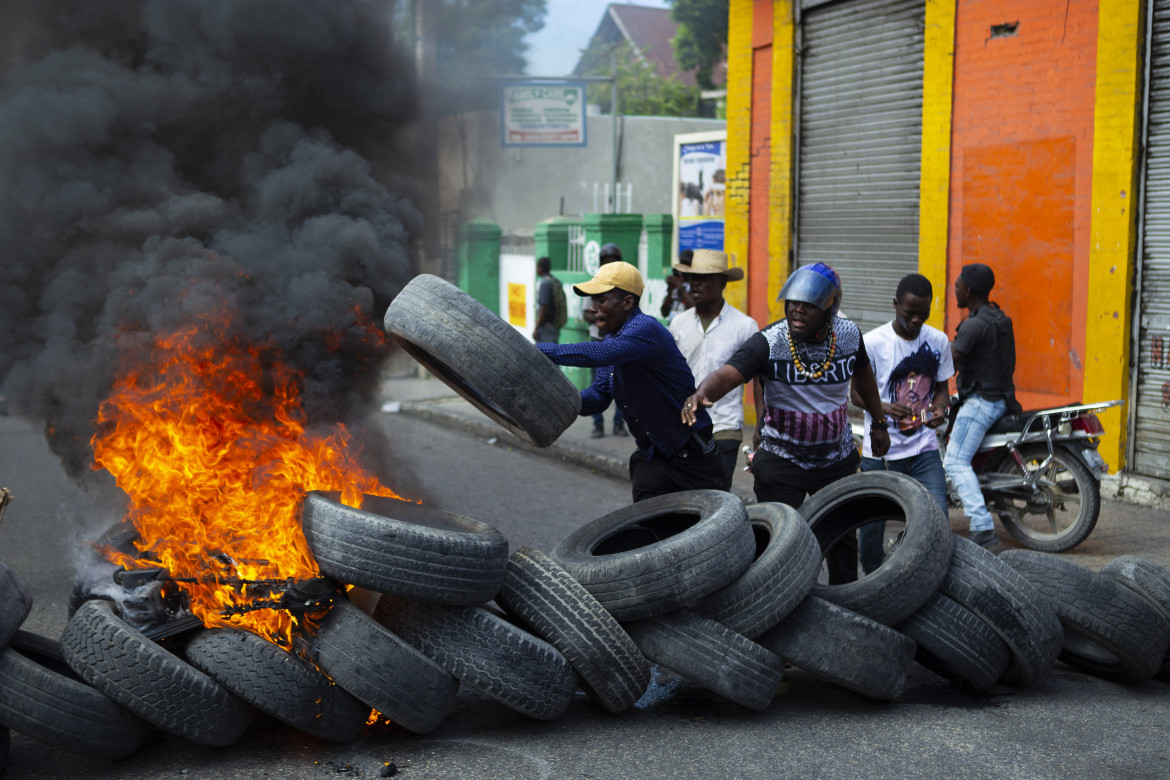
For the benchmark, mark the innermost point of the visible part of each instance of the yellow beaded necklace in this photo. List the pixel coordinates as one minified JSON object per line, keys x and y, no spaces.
{"x":799,"y":364}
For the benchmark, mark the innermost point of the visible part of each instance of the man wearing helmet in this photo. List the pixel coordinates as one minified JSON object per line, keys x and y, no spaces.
{"x":807,"y":363}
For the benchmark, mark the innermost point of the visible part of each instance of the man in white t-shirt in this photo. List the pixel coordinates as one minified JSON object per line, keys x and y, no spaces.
{"x":708,"y":334}
{"x":912,"y":363}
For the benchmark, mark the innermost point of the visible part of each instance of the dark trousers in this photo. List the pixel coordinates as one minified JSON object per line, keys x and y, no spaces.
{"x":661,"y":475}
{"x":728,"y":450}
{"x":780,"y":480}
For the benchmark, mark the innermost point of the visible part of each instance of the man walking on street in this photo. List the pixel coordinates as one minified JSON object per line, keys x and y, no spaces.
{"x":807,"y":363}
{"x":546,"y":328}
{"x":610,"y":253}
{"x":640,"y":369}
{"x":984,"y":352}
{"x":912,"y":365}
{"x":708,"y":335}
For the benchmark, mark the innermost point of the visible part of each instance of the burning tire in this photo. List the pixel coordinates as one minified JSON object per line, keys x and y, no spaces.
{"x":1109,"y":630}
{"x":1149,"y":580}
{"x":486,"y":652}
{"x":843,"y":647}
{"x":149,"y":681}
{"x":42,"y":698}
{"x":383,"y":670}
{"x":15,"y":604}
{"x":956,"y":643}
{"x":711,"y":655}
{"x":278,"y":682}
{"x":548,"y":600}
{"x":1010,"y":604}
{"x":120,"y":536}
{"x":483,"y":358}
{"x":661,"y":554}
{"x":398,"y":547}
{"x":912,"y":570}
{"x":784,"y":571}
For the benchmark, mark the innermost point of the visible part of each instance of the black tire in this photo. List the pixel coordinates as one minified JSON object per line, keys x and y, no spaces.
{"x":913,"y":569}
{"x":383,"y":670}
{"x":1010,"y":604}
{"x":711,"y":655}
{"x":956,"y":643}
{"x":5,"y":741}
{"x":661,"y":554}
{"x":278,"y":682}
{"x":1109,"y":630}
{"x":120,"y":536}
{"x":15,"y":603}
{"x":782,"y":574}
{"x":1149,"y":580}
{"x":1065,"y":512}
{"x":397,"y":547}
{"x":483,"y":358}
{"x":42,"y":698}
{"x":843,"y":647}
{"x":486,"y":652}
{"x":149,"y":681}
{"x":547,"y":600}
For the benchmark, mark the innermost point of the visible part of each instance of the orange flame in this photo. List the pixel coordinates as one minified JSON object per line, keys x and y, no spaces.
{"x":210,"y":445}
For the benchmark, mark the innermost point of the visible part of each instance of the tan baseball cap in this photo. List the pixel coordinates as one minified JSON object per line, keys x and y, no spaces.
{"x":621,"y":275}
{"x":709,"y":261}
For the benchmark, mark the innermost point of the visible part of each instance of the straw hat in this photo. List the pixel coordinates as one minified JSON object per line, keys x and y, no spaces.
{"x":709,"y":261}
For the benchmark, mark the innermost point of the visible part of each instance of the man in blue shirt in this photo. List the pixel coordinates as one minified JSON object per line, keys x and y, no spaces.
{"x":640,"y":368}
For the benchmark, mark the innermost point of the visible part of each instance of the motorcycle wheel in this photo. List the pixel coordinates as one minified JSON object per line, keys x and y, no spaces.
{"x":1062,"y":514}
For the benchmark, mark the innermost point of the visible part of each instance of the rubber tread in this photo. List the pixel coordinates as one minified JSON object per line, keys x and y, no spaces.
{"x":956,"y":643}
{"x":1151,"y":581}
{"x":711,"y":655}
{"x":844,"y":648}
{"x":484,"y":359}
{"x":383,"y":670}
{"x":547,"y":600}
{"x":15,"y":603}
{"x":42,"y":698}
{"x":278,"y":682}
{"x":1097,"y":612}
{"x":463,"y":564}
{"x":1010,"y":604}
{"x":784,"y":571}
{"x":913,"y":569}
{"x":149,"y":681}
{"x":675,"y":572}
{"x":486,"y":652}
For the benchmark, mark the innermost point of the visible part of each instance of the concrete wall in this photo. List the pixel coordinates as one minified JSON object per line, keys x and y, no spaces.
{"x":516,"y":187}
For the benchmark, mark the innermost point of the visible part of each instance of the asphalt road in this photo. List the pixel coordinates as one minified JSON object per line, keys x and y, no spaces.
{"x":1068,"y":725}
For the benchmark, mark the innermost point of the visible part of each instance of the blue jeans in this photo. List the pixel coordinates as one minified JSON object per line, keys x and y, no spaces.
{"x":975,"y":416}
{"x":927,"y":468}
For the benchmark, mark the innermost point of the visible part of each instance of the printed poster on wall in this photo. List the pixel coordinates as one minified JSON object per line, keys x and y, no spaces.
{"x":700,"y":190}
{"x":538,"y":114}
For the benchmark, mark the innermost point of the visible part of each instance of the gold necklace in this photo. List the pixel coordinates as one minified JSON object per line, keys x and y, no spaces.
{"x":799,"y":364}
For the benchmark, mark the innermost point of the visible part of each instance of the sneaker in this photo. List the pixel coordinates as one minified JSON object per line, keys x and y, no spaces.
{"x":986,"y":538}
{"x":598,"y":433}
{"x":620,"y":430}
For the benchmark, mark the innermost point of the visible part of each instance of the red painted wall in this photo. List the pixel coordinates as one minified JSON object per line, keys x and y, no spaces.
{"x":761,"y":157}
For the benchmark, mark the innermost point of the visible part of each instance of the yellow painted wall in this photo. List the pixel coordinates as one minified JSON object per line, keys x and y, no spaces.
{"x":739,"y":130}
{"x":935,"y":179}
{"x":783,"y":151}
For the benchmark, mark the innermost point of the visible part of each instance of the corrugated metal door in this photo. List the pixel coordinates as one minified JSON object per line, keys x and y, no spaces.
{"x":1150,"y":447}
{"x":860,"y":147}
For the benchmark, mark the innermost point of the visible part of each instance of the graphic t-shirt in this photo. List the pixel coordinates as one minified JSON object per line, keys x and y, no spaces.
{"x":806,"y":419}
{"x":906,"y":373}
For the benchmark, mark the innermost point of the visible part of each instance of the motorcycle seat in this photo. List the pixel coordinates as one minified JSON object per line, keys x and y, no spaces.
{"x":1014,"y":422}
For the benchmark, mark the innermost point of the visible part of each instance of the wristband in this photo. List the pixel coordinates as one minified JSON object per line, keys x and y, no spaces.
{"x":882,"y":424}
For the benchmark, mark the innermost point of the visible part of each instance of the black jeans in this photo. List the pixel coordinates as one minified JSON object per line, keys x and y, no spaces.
{"x":691,"y":468}
{"x":728,"y":450}
{"x":780,"y":480}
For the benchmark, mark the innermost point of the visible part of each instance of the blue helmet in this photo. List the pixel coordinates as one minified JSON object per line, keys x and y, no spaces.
{"x":817,"y":284}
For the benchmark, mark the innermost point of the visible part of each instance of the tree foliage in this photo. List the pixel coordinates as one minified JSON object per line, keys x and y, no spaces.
{"x":641,"y":91}
{"x":701,"y":40}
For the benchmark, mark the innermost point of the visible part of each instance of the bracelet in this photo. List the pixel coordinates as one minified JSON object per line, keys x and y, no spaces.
{"x":882,"y":424}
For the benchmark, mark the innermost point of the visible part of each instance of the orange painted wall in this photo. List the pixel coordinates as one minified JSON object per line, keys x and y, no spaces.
{"x":761,"y":154}
{"x":1021,"y":178}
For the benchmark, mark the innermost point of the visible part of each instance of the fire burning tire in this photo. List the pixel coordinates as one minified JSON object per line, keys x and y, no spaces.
{"x":149,"y":681}
{"x":15,"y":604}
{"x":398,"y":547}
{"x":956,"y":643}
{"x":383,"y":670}
{"x":912,"y":570}
{"x":42,"y":698}
{"x":486,"y":652}
{"x":711,"y":655}
{"x":483,"y":358}
{"x":120,"y":536}
{"x":661,"y":554}
{"x":843,"y":647}
{"x":784,"y":571}
{"x":1010,"y":604}
{"x":1149,"y":580}
{"x":548,"y":600}
{"x":278,"y":682}
{"x":1109,"y":630}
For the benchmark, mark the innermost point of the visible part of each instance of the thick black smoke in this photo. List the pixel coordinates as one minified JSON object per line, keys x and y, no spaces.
{"x":162,"y":161}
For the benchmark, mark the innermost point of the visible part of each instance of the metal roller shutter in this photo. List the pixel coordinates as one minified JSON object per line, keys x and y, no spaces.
{"x":860,"y":147}
{"x":1150,"y":415}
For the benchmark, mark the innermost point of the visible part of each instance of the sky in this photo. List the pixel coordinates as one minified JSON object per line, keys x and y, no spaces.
{"x":568,"y":25}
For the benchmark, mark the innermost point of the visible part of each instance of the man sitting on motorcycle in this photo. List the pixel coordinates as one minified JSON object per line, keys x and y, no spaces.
{"x":984,"y":352}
